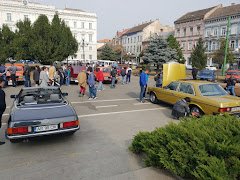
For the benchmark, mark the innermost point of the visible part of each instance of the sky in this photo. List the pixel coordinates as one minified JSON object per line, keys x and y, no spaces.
{"x":115,"y":15}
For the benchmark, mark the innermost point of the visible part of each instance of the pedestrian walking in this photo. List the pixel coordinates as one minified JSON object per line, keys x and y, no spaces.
{"x":231,"y":82}
{"x":44,"y":79}
{"x":194,"y":73}
{"x":26,"y":72}
{"x":129,"y":74}
{"x":2,"y":103}
{"x":181,"y":108}
{"x":143,"y":85}
{"x":13,"y":69}
{"x":82,"y":82}
{"x":91,"y":83}
{"x":123,"y":74}
{"x":67,"y":76}
{"x":113,"y":76}
{"x":3,"y":73}
{"x":100,"y":79}
{"x":158,"y":79}
{"x":36,"y":75}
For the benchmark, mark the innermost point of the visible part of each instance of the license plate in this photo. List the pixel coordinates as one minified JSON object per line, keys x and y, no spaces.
{"x":76,"y":81}
{"x":46,"y":128}
{"x":235,"y":109}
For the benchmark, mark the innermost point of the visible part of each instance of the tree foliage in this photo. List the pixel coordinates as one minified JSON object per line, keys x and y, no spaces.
{"x":43,"y":41}
{"x":198,"y":55}
{"x":158,"y":52}
{"x":218,"y":56}
{"x":107,"y":53}
{"x":174,"y":44}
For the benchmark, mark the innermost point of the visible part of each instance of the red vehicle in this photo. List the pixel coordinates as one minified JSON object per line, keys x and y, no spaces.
{"x":234,"y":73}
{"x":19,"y":73}
{"x":106,"y":74}
{"x":75,"y":70}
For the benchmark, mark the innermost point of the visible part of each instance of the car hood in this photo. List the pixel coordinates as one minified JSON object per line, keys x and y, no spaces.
{"x":226,"y":101}
{"x":40,"y":113}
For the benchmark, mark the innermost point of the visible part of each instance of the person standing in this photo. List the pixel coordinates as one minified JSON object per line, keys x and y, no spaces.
{"x":82,"y":82}
{"x":181,"y":108}
{"x":52,"y":72}
{"x":2,"y":103}
{"x":100,"y":79}
{"x":91,"y":83}
{"x":158,"y":79}
{"x":143,"y":85}
{"x":36,"y":75}
{"x":67,"y":76}
{"x":3,"y":73}
{"x":13,"y":69}
{"x":123,"y":74}
{"x":61,"y":75}
{"x":194,"y":73}
{"x":147,"y":78}
{"x":129,"y":73}
{"x":231,"y":82}
{"x":113,"y":75}
{"x":44,"y":79}
{"x":27,"y":70}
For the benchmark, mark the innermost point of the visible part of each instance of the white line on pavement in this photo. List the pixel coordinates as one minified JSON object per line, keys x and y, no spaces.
{"x":139,"y":104}
{"x":120,"y":112}
{"x":98,"y":107}
{"x":110,"y":100}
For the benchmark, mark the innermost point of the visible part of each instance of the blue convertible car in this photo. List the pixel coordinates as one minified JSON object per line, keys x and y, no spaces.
{"x":39,"y":112}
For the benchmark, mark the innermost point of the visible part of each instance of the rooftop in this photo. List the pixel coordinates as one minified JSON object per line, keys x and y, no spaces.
{"x":138,"y":28}
{"x":225,"y":11}
{"x":195,"y":15}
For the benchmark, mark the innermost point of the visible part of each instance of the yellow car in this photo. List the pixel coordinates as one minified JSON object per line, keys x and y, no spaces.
{"x":206,"y":97}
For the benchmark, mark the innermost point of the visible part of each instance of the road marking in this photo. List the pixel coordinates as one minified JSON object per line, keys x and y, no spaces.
{"x":139,"y":104}
{"x":98,"y":107}
{"x":120,"y":112}
{"x":109,"y":100}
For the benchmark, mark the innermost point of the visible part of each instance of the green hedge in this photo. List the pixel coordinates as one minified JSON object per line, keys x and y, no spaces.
{"x":205,"y":148}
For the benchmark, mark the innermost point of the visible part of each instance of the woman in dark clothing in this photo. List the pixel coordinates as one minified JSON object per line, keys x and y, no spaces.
{"x":36,"y":75}
{"x":2,"y":103}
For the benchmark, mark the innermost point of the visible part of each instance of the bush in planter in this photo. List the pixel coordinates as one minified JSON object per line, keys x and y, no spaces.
{"x":205,"y":148}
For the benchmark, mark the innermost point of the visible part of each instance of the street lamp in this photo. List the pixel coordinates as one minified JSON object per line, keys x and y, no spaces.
{"x":83,"y":44}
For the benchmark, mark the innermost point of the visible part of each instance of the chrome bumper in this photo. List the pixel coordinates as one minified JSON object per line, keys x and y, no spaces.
{"x":25,"y":136}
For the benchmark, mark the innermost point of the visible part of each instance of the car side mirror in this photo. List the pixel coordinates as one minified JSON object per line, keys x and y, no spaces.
{"x":13,"y":96}
{"x":64,"y":94}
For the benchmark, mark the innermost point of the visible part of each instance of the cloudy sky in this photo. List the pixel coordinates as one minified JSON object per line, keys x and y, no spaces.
{"x":116,"y":15}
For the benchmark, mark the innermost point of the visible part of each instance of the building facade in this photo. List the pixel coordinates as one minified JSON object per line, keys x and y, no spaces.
{"x":216,"y":29}
{"x":189,"y":28}
{"x":137,"y":38}
{"x":82,"y":24}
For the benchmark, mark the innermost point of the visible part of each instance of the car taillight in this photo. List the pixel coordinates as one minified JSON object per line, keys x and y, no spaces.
{"x":70,"y":124}
{"x":18,"y":130}
{"x":222,"y":110}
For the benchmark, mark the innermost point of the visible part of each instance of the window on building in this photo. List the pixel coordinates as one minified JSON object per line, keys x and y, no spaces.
{"x":232,"y":45}
{"x":90,"y":57}
{"x":191,"y":31}
{"x":90,"y":26}
{"x":137,"y":48}
{"x":140,"y":38}
{"x":199,"y":29}
{"x":131,"y":40}
{"x":90,"y":37}
{"x":82,"y":25}
{"x":128,"y":40}
{"x":25,"y":17}
{"x":215,"y":32}
{"x":90,"y":48}
{"x":183,"y":46}
{"x":140,"y":48}
{"x":135,"y":39}
{"x":67,"y":23}
{"x":190,"y":45}
{"x":9,"y":17}
{"x":178,"y":33}
{"x":134,"y":49}
{"x":208,"y":33}
{"x":83,"y":36}
{"x":224,"y":31}
{"x":213,"y":46}
{"x":75,"y":24}
{"x":82,"y":56}
{"x":184,"y":32}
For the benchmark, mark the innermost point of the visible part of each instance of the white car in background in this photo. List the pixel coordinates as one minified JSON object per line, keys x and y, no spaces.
{"x":213,"y":68}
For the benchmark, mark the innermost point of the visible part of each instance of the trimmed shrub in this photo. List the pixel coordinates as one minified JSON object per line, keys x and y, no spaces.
{"x":204,"y":148}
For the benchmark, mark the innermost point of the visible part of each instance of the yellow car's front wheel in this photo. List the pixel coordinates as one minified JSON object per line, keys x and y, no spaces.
{"x":153,"y":98}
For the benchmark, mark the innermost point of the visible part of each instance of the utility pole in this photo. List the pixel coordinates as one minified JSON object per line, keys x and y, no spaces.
{"x":83,"y":44}
{"x":226,"y":47}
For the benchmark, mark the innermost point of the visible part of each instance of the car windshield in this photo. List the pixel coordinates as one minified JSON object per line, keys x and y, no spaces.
{"x":34,"y":96}
{"x":205,"y":73}
{"x":212,"y":90}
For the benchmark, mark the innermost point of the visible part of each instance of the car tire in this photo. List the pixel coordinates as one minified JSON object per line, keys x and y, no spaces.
{"x":196,"y":110}
{"x":14,"y":141}
{"x":153,"y":98}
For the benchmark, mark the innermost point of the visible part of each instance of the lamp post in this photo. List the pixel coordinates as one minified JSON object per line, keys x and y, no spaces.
{"x":83,"y":44}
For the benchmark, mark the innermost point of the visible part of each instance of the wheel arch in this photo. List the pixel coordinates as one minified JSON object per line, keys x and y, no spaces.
{"x":195,"y":105}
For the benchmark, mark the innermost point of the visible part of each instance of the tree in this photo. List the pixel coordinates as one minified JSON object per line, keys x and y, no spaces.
{"x":198,"y":56}
{"x":107,"y":53}
{"x":23,"y":41}
{"x":174,"y":44}
{"x":6,"y":44}
{"x":158,"y":52}
{"x":218,"y":56}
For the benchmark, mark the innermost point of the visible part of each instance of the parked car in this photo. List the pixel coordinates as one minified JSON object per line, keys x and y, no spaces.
{"x":234,"y":73}
{"x":206,"y":74}
{"x":39,"y":112}
{"x":206,"y":97}
{"x":213,"y":68}
{"x":19,"y":72}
